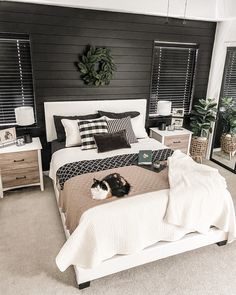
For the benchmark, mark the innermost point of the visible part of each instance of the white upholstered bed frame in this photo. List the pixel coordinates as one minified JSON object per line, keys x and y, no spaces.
{"x":155,"y":252}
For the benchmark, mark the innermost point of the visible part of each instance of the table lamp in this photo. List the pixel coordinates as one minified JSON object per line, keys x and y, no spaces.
{"x":25,"y":117}
{"x":164,"y":108}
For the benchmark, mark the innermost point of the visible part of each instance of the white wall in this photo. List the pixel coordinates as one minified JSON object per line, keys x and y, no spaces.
{"x":225,"y":37}
{"x":226,"y":9}
{"x":196,"y":9}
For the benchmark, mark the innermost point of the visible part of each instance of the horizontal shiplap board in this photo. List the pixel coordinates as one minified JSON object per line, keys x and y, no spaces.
{"x":60,"y":75}
{"x":57,"y":66}
{"x":92,"y":91}
{"x":79,"y":83}
{"x":71,"y":58}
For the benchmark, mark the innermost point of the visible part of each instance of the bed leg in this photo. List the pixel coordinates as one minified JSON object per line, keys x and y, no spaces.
{"x":222,"y":243}
{"x":84,"y":285}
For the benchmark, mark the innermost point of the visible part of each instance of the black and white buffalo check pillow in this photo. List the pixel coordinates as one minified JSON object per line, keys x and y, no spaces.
{"x":88,"y":128}
{"x":122,"y":124}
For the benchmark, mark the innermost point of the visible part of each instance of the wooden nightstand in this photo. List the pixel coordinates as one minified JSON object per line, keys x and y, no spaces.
{"x":21,"y":166}
{"x":176,"y":140}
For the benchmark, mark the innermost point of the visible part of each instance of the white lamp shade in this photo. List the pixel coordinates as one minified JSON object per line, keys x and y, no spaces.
{"x":24,"y":116}
{"x":164,"y":108}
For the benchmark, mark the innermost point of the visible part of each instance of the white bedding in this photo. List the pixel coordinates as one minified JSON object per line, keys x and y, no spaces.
{"x":129,"y":225}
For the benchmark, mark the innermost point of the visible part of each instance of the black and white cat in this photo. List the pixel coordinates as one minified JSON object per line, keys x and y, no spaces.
{"x":113,"y":185}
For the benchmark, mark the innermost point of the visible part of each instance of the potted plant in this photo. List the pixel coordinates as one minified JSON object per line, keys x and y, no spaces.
{"x":202,"y":117}
{"x":228,"y":116}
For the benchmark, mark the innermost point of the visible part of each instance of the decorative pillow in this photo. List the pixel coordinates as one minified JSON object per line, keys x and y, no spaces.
{"x":122,"y":124}
{"x":61,"y":136}
{"x":72,"y":132}
{"x":111,"y":141}
{"x":111,"y":115}
{"x":87,"y":130}
{"x":138,"y":127}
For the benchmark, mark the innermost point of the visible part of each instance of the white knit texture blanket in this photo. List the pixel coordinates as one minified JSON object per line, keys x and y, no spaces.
{"x":198,"y":197}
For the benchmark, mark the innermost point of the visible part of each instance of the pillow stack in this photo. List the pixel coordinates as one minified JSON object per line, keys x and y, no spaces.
{"x":105,"y":131}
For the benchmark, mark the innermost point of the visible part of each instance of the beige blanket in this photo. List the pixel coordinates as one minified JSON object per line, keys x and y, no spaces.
{"x":76,"y":197}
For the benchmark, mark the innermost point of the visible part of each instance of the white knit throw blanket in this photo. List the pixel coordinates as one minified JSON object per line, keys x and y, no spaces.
{"x":198,"y":197}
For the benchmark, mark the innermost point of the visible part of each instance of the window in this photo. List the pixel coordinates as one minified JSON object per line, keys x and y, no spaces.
{"x":16,"y":83}
{"x":229,"y":80}
{"x":173,"y":75}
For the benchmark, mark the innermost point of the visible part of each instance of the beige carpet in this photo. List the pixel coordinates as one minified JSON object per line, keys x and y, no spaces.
{"x":31,"y":235}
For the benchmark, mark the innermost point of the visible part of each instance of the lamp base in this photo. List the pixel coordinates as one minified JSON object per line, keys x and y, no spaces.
{"x":27,"y":138}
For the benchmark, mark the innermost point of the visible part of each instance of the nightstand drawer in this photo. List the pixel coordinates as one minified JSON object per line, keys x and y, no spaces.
{"x":177,"y":142}
{"x":19,"y":160}
{"x":18,"y":177}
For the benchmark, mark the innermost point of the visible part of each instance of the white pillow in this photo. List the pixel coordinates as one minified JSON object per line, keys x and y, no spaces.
{"x":72,"y":132}
{"x":138,"y":127}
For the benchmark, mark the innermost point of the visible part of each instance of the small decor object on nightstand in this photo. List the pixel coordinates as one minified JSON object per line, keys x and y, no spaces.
{"x":25,"y":117}
{"x":20,"y":141}
{"x":178,"y":112}
{"x":145,"y":157}
{"x":7,"y":136}
{"x":177,"y":122}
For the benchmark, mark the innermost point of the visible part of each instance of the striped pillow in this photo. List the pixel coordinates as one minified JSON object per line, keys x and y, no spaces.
{"x":88,"y":128}
{"x":122,"y":124}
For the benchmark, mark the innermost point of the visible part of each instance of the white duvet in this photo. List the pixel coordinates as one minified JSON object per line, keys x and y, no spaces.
{"x":129,"y":225}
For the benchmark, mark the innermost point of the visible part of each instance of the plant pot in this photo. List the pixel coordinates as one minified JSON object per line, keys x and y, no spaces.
{"x":228,"y":144}
{"x":198,"y":148}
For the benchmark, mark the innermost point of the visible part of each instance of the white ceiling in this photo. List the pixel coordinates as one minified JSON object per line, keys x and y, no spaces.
{"x":215,"y":10}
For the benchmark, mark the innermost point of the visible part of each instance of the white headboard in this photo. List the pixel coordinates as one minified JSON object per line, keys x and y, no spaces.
{"x":70,"y":108}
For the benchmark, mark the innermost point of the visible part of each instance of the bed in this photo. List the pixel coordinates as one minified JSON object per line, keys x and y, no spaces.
{"x":184,"y":241}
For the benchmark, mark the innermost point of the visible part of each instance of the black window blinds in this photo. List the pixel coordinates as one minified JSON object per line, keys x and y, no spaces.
{"x":229,"y":80}
{"x":173,"y":72}
{"x":16,"y":82}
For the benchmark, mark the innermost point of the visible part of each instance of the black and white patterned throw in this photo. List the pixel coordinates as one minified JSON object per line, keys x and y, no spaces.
{"x":70,"y":170}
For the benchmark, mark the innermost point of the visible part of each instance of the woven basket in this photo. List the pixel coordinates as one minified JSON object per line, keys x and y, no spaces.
{"x":228,"y":144}
{"x":198,"y":148}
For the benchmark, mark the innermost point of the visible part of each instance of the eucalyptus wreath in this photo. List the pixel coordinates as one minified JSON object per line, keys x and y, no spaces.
{"x":97,"y":66}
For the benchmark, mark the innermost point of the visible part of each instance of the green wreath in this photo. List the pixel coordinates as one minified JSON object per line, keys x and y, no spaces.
{"x":97,"y":66}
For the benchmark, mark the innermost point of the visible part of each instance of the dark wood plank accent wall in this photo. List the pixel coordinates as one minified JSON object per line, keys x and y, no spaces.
{"x":58,"y":35}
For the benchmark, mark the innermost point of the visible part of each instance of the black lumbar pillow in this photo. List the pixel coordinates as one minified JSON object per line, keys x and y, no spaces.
{"x":111,"y":115}
{"x":111,"y":141}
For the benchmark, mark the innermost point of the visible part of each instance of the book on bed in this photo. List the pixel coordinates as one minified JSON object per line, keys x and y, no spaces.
{"x":145,"y":157}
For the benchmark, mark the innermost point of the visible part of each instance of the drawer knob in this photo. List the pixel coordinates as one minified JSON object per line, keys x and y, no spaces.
{"x":177,"y":141}
{"x":22,"y":160}
{"x":20,"y":177}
